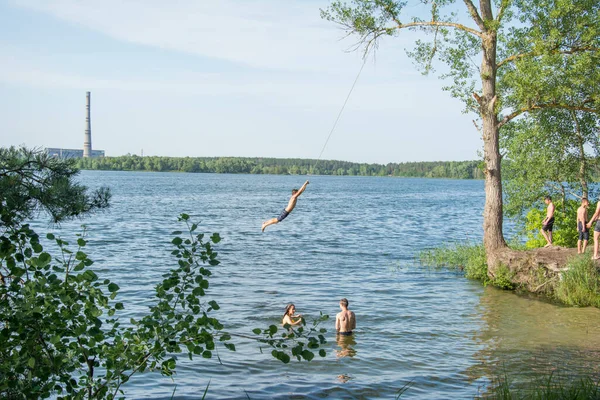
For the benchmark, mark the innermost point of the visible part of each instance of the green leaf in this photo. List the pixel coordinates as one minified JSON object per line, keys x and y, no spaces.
{"x":215,"y":238}
{"x":308,"y":355}
{"x":256,"y":331}
{"x":81,"y":242}
{"x":177,"y":241}
{"x":230,"y":346}
{"x":119,"y":306}
{"x":113,"y":287}
{"x":89,"y":276}
{"x":31,"y":362}
{"x":322,"y":353}
{"x":50,"y":236}
{"x":272,"y":329}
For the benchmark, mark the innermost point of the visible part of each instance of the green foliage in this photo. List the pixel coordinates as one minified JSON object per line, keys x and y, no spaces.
{"x":292,"y":341}
{"x":565,"y":228}
{"x":580,"y":284}
{"x":550,"y":387}
{"x":467,"y":257}
{"x":503,"y":278}
{"x":294,"y":166}
{"x":61,"y":335}
{"x":31,"y":181}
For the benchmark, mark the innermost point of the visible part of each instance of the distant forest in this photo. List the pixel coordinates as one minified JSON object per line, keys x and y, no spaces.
{"x":285,"y":166}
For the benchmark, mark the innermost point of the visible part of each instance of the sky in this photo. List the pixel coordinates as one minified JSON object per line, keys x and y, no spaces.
{"x":199,"y":78}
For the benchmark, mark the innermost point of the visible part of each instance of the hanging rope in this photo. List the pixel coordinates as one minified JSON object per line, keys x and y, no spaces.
{"x":341,"y":110}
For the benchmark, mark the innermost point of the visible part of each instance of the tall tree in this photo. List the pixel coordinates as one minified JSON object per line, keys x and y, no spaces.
{"x":511,"y":37}
{"x":550,"y":151}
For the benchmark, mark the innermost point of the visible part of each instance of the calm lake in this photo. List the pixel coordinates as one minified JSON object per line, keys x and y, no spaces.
{"x":353,"y":237}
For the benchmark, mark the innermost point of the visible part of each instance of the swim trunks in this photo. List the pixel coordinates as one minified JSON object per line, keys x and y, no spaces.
{"x":597,"y":227}
{"x":549,"y":225}
{"x":345,"y":333}
{"x":282,"y":216}
{"x":584,"y":233}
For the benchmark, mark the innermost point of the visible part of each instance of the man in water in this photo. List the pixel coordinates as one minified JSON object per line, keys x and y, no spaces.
{"x":582,"y":228}
{"x":548,"y":222}
{"x":345,"y":321}
{"x":288,"y":209}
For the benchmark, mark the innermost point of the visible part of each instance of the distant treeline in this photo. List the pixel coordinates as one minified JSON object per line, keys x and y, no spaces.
{"x":284,"y":166}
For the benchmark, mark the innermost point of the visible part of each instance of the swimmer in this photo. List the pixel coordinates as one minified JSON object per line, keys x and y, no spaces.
{"x":291,"y":204}
{"x":289,"y":318}
{"x":345,"y":321}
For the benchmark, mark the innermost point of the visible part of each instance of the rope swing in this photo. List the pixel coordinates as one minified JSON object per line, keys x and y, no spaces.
{"x":341,"y":110}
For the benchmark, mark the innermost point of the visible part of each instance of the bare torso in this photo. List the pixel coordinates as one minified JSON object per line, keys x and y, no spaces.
{"x":345,"y":321}
{"x":291,"y":203}
{"x":550,"y":211}
{"x":582,"y":215}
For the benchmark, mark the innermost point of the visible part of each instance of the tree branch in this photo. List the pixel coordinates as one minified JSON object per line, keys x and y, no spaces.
{"x":475,"y":15}
{"x":572,"y":50}
{"x":500,"y":13}
{"x":438,"y":23}
{"x":532,"y":107}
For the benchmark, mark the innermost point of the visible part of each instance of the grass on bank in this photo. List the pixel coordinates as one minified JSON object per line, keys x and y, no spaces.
{"x":580,"y":284}
{"x":551,"y":387}
{"x":466,"y":257}
{"x":577,"y":286}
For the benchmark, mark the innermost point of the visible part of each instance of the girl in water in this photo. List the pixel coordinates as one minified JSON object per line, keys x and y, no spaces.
{"x":289,"y":317}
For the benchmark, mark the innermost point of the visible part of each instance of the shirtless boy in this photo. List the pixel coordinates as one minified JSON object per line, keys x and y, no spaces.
{"x":596,"y":230}
{"x":582,"y":229}
{"x":288,"y":209}
{"x":345,"y":321}
{"x":548,"y":222}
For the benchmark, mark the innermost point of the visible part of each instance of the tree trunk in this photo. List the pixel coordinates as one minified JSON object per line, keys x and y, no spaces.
{"x":582,"y":160}
{"x":493,"y":238}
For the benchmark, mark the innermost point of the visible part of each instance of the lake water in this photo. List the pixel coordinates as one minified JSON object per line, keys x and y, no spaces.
{"x":354,"y":237}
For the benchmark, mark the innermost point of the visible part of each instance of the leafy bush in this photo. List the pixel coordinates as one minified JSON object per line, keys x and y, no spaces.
{"x":59,"y":326}
{"x":503,"y":278}
{"x":565,"y":227}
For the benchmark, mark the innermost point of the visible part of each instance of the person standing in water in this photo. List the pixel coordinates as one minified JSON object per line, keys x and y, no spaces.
{"x":548,"y":222}
{"x":345,"y":321}
{"x":291,"y":204}
{"x":582,"y":229}
{"x":289,"y":317}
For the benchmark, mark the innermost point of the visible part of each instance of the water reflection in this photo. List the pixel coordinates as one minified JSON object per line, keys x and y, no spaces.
{"x":527,"y":338}
{"x":346,"y":343}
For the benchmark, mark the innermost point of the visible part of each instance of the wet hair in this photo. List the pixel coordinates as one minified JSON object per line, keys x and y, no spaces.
{"x":547,"y":197}
{"x":344,"y":302}
{"x":584,"y":199}
{"x":294,"y":191}
{"x":287,"y":308}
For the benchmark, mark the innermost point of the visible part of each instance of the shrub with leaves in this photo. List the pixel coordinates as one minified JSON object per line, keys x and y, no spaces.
{"x":59,"y":326}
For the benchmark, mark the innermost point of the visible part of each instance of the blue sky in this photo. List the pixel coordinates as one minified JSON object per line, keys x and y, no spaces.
{"x":246,"y":78}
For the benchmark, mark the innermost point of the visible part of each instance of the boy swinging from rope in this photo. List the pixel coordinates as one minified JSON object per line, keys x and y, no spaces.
{"x":288,"y":209}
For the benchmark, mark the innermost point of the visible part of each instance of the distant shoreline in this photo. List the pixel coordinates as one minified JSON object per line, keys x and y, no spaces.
{"x":285,"y":166}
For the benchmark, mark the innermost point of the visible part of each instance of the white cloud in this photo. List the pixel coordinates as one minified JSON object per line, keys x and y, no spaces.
{"x":264,"y":34}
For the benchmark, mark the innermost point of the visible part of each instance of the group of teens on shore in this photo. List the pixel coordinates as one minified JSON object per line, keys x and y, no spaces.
{"x":583,"y":226}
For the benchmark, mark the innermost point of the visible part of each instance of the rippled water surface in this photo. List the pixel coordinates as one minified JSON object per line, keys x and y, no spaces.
{"x":351,"y":237}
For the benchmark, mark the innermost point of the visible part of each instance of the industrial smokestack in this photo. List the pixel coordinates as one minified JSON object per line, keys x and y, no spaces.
{"x":87,"y":140}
